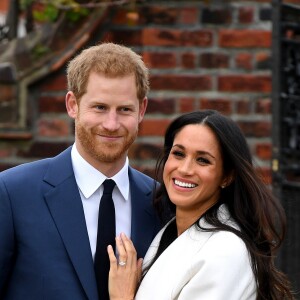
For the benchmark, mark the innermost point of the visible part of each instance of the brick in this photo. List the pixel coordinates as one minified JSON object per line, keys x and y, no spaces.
{"x":243,"y":107}
{"x":8,"y":114}
{"x":216,"y":16}
{"x":120,"y":17}
{"x":293,"y":2}
{"x":200,"y":38}
{"x":189,"y":15}
{"x":245,"y":15}
{"x":127,"y":17}
{"x":53,"y":128}
{"x":161,"y":106}
{"x":15,"y":135}
{"x":263,"y":61}
{"x":264,"y":106}
{"x":255,"y":128}
{"x":159,"y":15}
{"x":239,"y":38}
{"x":40,"y":149}
{"x":244,"y":61}
{"x":144,"y":151}
{"x":160,"y":60}
{"x":153,"y":127}
{"x":186,"y":104}
{"x":188,"y":60}
{"x":264,"y":151}
{"x":265,"y":174}
{"x":214,"y":60}
{"x":52,"y":104}
{"x":161,"y":37}
{"x":222,"y":105}
{"x":181,"y":82}
{"x":4,"y":5}
{"x":245,"y":83}
{"x":6,"y":152}
{"x":128,"y":37}
{"x":176,"y":37}
{"x":7,"y":92}
{"x":55,"y":83}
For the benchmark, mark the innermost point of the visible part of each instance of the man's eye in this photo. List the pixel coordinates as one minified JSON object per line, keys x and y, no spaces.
{"x":100,"y":107}
{"x":125,"y":109}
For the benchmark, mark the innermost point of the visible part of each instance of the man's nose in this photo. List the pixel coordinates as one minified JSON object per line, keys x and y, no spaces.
{"x":111,"y":121}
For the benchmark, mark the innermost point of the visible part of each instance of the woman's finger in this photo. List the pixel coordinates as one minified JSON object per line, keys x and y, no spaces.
{"x":112,"y":258}
{"x":124,"y":279}
{"x":130,"y":251}
{"x":122,"y":252}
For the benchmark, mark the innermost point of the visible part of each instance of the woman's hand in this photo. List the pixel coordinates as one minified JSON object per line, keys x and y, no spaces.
{"x":124,"y":274}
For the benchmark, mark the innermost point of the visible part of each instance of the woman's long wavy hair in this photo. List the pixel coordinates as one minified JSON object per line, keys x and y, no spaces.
{"x":251,"y":204}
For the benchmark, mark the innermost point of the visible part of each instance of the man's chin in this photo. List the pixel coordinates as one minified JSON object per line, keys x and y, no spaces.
{"x":109,"y":156}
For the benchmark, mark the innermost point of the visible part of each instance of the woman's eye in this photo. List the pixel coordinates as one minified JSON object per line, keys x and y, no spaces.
{"x":203,"y":160}
{"x":177,"y":153}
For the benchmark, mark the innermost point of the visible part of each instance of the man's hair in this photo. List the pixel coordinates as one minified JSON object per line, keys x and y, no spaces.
{"x":110,"y":60}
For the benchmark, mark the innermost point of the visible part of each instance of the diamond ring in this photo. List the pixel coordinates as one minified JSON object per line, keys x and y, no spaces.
{"x":122,"y":263}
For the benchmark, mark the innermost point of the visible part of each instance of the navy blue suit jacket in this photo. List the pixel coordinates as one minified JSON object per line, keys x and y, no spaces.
{"x":44,"y":245}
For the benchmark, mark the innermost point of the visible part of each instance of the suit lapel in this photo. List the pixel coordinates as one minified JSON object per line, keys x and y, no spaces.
{"x":65,"y":206}
{"x":143,"y":226}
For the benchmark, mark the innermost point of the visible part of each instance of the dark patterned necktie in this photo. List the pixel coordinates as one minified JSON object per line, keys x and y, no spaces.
{"x":106,"y":236}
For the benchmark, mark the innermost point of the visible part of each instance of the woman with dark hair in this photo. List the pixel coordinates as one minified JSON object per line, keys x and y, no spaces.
{"x":226,"y":228}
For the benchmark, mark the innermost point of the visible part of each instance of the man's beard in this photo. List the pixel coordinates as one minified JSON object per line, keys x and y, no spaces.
{"x":103,"y":152}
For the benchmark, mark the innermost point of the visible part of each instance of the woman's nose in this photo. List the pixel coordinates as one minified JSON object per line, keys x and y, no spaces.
{"x":186,"y":166}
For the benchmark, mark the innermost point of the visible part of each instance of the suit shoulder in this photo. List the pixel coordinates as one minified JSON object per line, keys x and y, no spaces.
{"x":25,"y":169}
{"x":31,"y":169}
{"x":141,"y":176}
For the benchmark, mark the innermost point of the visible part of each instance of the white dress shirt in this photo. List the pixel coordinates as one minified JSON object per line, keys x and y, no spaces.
{"x":89,"y":181}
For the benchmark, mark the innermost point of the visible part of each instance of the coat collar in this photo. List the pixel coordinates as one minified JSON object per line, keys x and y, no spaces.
{"x":144,"y":223}
{"x":65,"y":206}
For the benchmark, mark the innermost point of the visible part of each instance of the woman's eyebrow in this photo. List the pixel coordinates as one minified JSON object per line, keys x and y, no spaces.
{"x":201,"y":152}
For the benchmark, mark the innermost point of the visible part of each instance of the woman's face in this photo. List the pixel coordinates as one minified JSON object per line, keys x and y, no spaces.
{"x":193,"y":173}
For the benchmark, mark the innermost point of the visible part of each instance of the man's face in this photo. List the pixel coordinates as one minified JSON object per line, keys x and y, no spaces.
{"x":107,"y":119}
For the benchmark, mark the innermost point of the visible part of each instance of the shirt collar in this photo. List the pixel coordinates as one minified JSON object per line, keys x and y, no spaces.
{"x":90,"y":179}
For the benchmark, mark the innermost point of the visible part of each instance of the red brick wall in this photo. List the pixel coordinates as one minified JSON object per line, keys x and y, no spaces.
{"x":3,"y":5}
{"x":201,"y":55}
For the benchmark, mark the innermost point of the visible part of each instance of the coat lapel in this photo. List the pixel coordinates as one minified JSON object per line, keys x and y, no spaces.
{"x":144,"y":223}
{"x":65,"y":206}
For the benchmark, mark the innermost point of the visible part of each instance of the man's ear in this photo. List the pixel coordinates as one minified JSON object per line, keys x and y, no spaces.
{"x":71,"y":105}
{"x":142,"y":109}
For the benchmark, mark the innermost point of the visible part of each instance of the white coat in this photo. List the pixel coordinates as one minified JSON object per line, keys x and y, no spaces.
{"x":200,"y":265}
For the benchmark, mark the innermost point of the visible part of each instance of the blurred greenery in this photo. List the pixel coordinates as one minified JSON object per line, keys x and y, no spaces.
{"x":49,"y":11}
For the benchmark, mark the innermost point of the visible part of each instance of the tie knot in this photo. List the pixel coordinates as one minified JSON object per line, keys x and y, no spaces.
{"x":109,"y":185}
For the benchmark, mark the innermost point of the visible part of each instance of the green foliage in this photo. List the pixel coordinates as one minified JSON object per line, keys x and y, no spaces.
{"x":25,"y":3}
{"x":48,"y":14}
{"x":40,"y":50}
{"x":49,"y":10}
{"x":75,"y":15}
